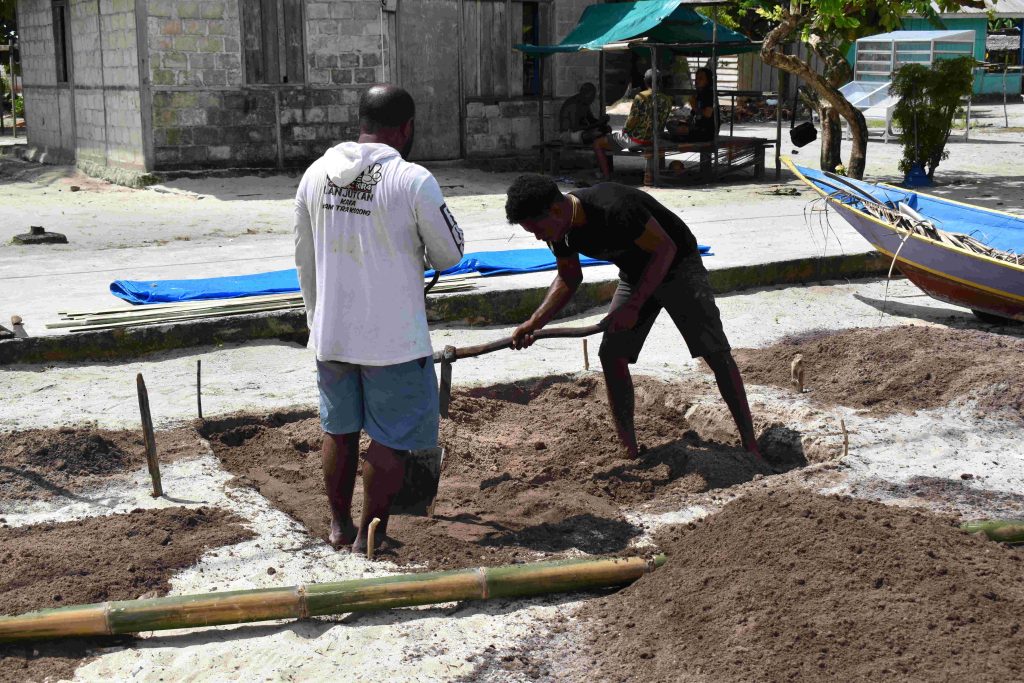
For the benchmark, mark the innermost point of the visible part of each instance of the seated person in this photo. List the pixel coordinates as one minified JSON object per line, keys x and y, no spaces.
{"x":704,"y":119}
{"x":576,"y":120}
{"x":639,"y":129}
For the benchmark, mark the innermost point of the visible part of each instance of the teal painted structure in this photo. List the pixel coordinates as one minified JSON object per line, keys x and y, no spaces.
{"x":984,"y":83}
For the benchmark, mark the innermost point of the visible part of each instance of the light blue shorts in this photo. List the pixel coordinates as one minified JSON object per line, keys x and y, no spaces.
{"x":396,"y":405}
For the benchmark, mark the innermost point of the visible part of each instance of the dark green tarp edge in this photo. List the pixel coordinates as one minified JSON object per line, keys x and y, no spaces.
{"x":659,"y":21}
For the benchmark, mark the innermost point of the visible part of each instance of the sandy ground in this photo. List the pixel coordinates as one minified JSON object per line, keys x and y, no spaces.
{"x":887,"y":456}
{"x":230,"y":226}
{"x":237,"y":225}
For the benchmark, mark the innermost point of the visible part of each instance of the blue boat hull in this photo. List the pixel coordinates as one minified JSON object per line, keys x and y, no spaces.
{"x":948,"y":273}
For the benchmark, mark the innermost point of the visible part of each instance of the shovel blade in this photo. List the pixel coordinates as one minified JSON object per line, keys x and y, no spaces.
{"x":419,"y":487}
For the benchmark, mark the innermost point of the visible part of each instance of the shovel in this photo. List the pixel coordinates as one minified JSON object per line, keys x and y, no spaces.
{"x":423,"y":467}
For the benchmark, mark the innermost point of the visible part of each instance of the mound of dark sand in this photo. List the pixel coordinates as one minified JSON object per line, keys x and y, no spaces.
{"x":530,"y":469}
{"x":793,"y":586}
{"x":120,"y":557}
{"x":42,"y":463}
{"x":898,"y":369}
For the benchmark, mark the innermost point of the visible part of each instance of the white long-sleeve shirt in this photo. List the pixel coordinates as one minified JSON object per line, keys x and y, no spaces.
{"x":366,"y":221}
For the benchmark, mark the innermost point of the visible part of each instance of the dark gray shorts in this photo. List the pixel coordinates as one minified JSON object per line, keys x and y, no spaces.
{"x":687,"y":296}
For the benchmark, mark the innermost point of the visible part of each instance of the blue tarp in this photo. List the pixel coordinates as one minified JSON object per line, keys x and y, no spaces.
{"x":280,"y":281}
{"x":997,"y":230}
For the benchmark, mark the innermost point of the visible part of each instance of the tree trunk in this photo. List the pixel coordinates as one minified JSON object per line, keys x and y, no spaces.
{"x":772,"y":54}
{"x":831,"y":138}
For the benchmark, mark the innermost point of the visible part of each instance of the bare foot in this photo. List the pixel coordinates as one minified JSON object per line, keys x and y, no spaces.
{"x":342,"y":533}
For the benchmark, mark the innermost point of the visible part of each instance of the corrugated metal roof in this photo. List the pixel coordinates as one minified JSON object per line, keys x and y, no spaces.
{"x":904,"y":36}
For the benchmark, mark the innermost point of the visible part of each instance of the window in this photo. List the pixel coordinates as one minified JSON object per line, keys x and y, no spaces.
{"x":60,"y":38}
{"x":272,"y":41}
{"x":531,"y":34}
{"x":491,"y":69}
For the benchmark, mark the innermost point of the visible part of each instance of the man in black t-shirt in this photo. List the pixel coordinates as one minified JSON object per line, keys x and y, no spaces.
{"x":659,"y":267}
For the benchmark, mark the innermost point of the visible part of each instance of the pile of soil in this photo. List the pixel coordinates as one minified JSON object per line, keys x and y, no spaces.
{"x":790,"y":585}
{"x":43,"y":463}
{"x":898,"y":369}
{"x":531,"y":470}
{"x":119,"y":557}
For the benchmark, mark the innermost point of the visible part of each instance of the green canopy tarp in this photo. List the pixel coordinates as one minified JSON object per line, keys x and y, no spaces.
{"x":659,"y":21}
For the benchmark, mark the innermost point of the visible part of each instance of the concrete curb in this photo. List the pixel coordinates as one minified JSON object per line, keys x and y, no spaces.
{"x":501,"y":307}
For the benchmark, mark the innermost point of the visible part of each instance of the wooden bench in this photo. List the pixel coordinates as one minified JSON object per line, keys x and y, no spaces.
{"x":733,"y":153}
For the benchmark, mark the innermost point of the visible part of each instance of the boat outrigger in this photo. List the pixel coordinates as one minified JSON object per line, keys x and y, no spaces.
{"x":958,"y":253}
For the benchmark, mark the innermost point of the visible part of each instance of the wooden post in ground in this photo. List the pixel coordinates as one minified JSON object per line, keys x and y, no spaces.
{"x":149,"y":437}
{"x":199,"y":388}
{"x":586,"y":356}
{"x":371,"y":534}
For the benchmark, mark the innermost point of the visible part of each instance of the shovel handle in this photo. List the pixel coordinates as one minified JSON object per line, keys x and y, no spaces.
{"x":506,"y":342}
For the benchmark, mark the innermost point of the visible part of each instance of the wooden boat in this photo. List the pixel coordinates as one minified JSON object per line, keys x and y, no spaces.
{"x":958,"y":253}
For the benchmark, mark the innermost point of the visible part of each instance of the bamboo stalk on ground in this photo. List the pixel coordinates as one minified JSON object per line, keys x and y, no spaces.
{"x":308,"y":600}
{"x":1002,"y":530}
{"x":155,"y":314}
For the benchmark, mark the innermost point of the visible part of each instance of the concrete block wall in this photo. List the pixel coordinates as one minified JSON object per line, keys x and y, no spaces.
{"x":48,"y":107}
{"x":571,"y":69}
{"x":206,"y":115}
{"x":95,"y":118}
{"x":194,"y":43}
{"x":508,"y":127}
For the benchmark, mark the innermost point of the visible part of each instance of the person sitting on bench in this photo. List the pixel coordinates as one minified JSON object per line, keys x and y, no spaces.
{"x":576,"y":121}
{"x":639,"y":129}
{"x":704,"y":119}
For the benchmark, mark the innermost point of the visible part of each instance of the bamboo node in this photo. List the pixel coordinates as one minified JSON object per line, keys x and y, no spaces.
{"x":300,"y":592}
{"x":481,"y":577}
{"x":106,"y":619}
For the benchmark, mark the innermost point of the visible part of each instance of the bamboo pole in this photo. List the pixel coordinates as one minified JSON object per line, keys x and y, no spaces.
{"x":149,"y":437}
{"x":1002,"y":530}
{"x":308,"y":600}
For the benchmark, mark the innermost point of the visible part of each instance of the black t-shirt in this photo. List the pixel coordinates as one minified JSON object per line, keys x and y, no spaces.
{"x":616,"y":217}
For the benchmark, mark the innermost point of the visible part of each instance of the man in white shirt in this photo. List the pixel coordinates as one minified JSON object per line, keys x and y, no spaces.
{"x":366,"y":224}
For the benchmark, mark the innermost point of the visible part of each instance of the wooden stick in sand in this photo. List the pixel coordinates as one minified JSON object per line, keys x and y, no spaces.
{"x":149,"y":437}
{"x":586,"y":356}
{"x":846,"y":437}
{"x":369,"y":537}
{"x":199,"y":387}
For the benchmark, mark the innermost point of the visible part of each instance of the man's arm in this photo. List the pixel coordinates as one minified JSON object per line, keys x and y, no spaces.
{"x":442,"y":237}
{"x":305,"y":254}
{"x":656,"y":242}
{"x":564,"y":286}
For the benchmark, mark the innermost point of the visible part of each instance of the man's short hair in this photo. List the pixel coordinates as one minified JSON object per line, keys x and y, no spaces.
{"x":530,"y":197}
{"x":588,"y":88}
{"x":385,"y":106}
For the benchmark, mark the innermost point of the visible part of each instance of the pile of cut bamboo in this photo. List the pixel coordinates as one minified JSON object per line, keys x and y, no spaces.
{"x":159,"y":314}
